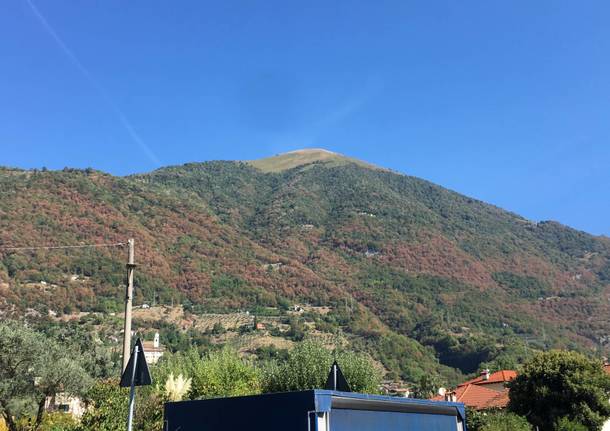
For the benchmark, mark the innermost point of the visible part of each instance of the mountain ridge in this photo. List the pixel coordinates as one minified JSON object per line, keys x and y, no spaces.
{"x":434,"y":275}
{"x":314,"y":158}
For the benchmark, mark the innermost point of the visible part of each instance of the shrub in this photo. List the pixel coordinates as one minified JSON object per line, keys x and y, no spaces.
{"x":308,"y":365}
{"x":224,"y":374}
{"x":496,"y":421}
{"x":565,"y":424}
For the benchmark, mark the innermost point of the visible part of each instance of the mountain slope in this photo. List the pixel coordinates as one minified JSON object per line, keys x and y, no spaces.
{"x":427,"y":280}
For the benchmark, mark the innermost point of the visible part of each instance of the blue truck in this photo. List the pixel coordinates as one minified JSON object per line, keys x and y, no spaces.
{"x":314,"y":410}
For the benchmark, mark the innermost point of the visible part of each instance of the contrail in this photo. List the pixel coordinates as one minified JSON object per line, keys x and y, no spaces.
{"x":101,"y":90}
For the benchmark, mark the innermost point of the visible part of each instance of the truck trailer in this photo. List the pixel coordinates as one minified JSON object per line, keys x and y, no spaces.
{"x":314,"y":410}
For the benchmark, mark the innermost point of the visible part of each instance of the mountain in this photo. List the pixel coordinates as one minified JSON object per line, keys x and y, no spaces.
{"x":428,"y":281}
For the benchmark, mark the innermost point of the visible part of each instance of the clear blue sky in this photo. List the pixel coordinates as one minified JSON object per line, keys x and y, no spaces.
{"x":506,"y":101}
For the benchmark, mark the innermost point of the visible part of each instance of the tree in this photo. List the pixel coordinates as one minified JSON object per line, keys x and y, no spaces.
{"x":224,"y":374}
{"x":183,"y":363}
{"x":359,"y":372}
{"x":33,"y":367}
{"x":496,"y":421}
{"x":58,"y":421}
{"x":565,"y":424}
{"x":427,"y":386}
{"x":107,"y":407}
{"x":217,"y":374}
{"x":218,"y":329}
{"x":558,"y":384}
{"x":98,"y":360}
{"x":308,"y":365}
{"x":505,"y":422}
{"x":296,"y":332}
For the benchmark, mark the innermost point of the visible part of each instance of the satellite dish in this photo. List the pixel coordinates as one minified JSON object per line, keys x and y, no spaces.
{"x":442,"y":391}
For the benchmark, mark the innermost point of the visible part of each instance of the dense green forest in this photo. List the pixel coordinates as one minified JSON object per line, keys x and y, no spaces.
{"x":426,"y":280}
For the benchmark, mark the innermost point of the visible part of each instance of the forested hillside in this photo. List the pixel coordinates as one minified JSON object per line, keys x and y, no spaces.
{"x":423,"y":278}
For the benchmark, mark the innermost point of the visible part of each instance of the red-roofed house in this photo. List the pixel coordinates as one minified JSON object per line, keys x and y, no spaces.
{"x":484,"y":392}
{"x":496,"y":381}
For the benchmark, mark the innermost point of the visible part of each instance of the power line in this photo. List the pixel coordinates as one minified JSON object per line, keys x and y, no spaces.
{"x":60,"y":247}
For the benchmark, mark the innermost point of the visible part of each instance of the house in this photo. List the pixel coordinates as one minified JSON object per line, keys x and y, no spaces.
{"x":297,"y":309}
{"x":496,"y":381}
{"x":395,"y":389}
{"x":153,"y":350}
{"x":487,"y":391}
{"x":476,"y":397}
{"x":63,"y":402}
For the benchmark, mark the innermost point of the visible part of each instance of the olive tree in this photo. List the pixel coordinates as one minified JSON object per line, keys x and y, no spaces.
{"x":32,"y":368}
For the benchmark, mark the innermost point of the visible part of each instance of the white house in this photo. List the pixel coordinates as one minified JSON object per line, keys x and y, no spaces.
{"x":63,"y":402}
{"x":153,"y":350}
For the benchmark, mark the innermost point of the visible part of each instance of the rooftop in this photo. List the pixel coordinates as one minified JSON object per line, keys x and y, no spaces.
{"x":502,"y":376}
{"x":478,"y":397}
{"x":476,"y":393}
{"x":149,"y":346}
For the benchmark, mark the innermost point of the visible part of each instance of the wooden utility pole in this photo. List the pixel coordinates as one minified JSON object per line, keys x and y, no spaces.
{"x":128,"y":303}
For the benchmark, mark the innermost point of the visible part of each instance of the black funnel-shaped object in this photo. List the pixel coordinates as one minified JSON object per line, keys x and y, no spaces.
{"x":336,"y":380}
{"x":138,"y":360}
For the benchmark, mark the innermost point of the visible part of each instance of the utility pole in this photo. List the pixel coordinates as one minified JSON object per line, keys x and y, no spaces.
{"x":128,"y":303}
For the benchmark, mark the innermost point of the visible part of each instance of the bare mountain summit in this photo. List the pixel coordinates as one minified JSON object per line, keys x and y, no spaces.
{"x":293,"y":159}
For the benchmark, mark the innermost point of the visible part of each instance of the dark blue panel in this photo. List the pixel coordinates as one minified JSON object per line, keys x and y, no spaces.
{"x":290,"y":412}
{"x":362,"y":420}
{"x":270,"y":412}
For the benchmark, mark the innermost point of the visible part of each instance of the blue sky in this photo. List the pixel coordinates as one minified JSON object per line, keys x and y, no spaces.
{"x":506,"y":101}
